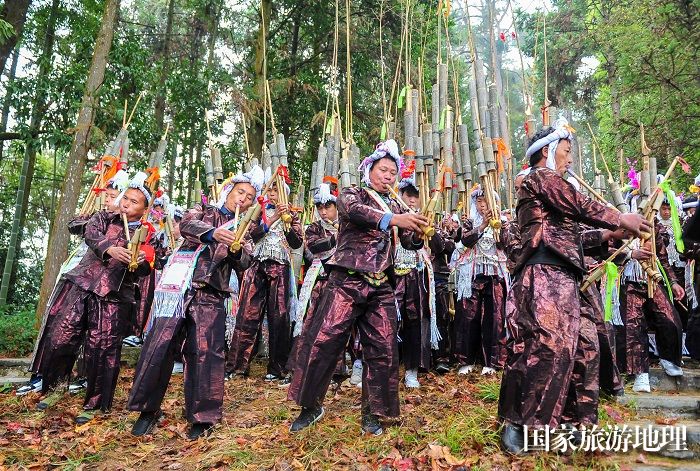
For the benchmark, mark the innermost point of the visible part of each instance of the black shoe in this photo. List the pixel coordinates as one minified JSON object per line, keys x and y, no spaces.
{"x":442,"y":368}
{"x":145,"y":423}
{"x":285,"y":382}
{"x":307,"y":417}
{"x":371,"y":425}
{"x":513,"y":439}
{"x":199,"y":430}
{"x":33,"y":385}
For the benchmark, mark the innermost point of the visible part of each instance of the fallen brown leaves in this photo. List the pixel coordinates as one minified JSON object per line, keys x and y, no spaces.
{"x":449,"y":424}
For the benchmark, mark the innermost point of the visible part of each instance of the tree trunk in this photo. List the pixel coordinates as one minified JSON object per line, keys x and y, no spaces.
{"x":215,"y":8}
{"x":164,"y":71}
{"x":31,"y":146}
{"x":8,"y":97}
{"x":75,"y":165}
{"x":15,"y":13}
{"x":191,"y":172}
{"x":171,"y":166}
{"x":257,"y":128}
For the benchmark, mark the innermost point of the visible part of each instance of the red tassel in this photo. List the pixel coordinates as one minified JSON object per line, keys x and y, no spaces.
{"x":149,"y":251}
{"x":263,"y":202}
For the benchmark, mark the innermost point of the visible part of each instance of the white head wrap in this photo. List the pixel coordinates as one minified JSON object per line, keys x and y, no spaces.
{"x":387,"y":148}
{"x":163,"y":200}
{"x":323,"y":194}
{"x":474,"y":214}
{"x":174,"y":211}
{"x":138,"y":182}
{"x":562,"y":130}
{"x":119,"y":181}
{"x":410,"y":181}
{"x":256,"y":177}
{"x":524,"y":172}
{"x":690,"y":204}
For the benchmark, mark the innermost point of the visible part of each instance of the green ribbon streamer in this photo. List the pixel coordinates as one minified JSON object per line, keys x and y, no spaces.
{"x":329,"y":125}
{"x":675,"y":220}
{"x":612,"y":275}
{"x":442,"y":119}
{"x":382,"y":135}
{"x":402,"y":96}
{"x":666,"y":281}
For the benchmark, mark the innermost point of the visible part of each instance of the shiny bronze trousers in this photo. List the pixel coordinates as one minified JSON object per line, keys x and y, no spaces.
{"x":551,"y":375}
{"x":81,"y":317}
{"x":265,"y":291}
{"x":640,"y":314}
{"x":479,"y":326}
{"x":349,"y":299}
{"x":203,"y":354}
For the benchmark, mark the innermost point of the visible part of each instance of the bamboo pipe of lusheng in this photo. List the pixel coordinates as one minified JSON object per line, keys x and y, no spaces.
{"x":429,"y":230}
{"x":251,"y":215}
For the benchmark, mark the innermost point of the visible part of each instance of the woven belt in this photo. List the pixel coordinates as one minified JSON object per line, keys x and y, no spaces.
{"x":374,"y":279}
{"x":402,"y":271}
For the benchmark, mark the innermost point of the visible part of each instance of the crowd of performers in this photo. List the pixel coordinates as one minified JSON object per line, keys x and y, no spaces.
{"x":379,"y":295}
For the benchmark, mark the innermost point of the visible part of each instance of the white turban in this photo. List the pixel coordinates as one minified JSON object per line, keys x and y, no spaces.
{"x":387,"y":148}
{"x":562,"y":130}
{"x":138,"y":183}
{"x":323,"y":194}
{"x":256,"y":177}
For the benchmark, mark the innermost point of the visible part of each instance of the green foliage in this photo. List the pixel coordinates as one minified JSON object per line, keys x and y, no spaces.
{"x":638,"y":57}
{"x":17,"y":330}
{"x":6,"y":31}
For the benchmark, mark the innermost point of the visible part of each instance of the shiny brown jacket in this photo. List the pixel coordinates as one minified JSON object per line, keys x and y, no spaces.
{"x":99,"y":273}
{"x":216,"y":261}
{"x":362,"y":246}
{"x":319,"y":241}
{"x":550,"y":211}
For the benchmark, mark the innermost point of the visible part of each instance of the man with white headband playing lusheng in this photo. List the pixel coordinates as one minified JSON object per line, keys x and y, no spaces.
{"x":96,"y":302}
{"x":553,"y":349}
{"x":360,"y":292}
{"x":482,"y":280}
{"x":268,"y":289}
{"x":191,"y":295}
{"x":52,"y":318}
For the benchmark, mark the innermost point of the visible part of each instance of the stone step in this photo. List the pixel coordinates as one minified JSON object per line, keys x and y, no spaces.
{"x":15,"y":362}
{"x":666,"y":405}
{"x":692,"y":438}
{"x":13,"y":380}
{"x":659,"y":380}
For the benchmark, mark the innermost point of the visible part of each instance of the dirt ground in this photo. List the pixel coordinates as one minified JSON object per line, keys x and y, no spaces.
{"x":450,"y":423}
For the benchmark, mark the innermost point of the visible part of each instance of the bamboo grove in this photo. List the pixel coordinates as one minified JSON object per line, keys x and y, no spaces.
{"x":213,"y":86}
